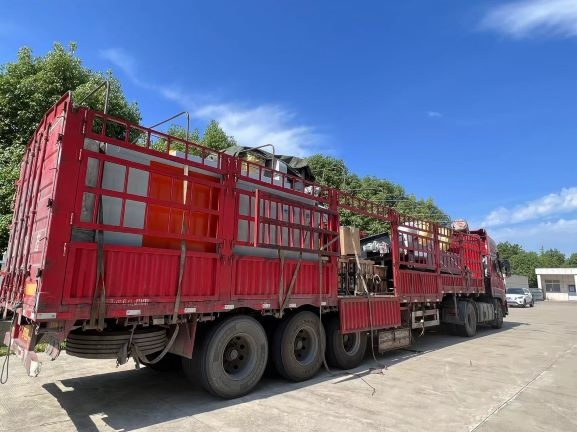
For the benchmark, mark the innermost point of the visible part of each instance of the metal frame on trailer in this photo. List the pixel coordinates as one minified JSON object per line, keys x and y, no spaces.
{"x":429,"y":261}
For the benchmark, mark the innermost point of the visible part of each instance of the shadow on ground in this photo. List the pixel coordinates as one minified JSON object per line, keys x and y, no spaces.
{"x":133,"y":399}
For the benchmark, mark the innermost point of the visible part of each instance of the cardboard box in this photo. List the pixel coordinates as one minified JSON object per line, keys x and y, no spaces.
{"x":350,"y":240}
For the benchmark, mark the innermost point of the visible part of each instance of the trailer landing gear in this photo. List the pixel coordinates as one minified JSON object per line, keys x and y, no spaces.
{"x":344,"y":351}
{"x":232,"y":357}
{"x":297,"y":346}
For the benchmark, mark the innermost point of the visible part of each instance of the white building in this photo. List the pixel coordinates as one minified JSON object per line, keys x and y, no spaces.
{"x":517,"y":281}
{"x":557,"y":283}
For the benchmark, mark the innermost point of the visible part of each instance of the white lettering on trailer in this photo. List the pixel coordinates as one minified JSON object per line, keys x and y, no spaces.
{"x":46,"y":315}
{"x":132,"y":312}
{"x":266,"y":305}
{"x":190,"y":310}
{"x":323,"y":303}
{"x":292,"y":305}
{"x":228,"y":307}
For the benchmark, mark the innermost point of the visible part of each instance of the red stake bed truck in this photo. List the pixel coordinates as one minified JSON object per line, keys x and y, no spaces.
{"x":127,"y":242}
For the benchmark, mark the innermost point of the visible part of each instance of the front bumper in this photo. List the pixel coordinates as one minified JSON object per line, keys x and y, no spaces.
{"x":512,"y":302}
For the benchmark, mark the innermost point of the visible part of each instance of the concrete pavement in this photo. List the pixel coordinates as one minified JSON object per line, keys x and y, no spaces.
{"x":520,"y":378}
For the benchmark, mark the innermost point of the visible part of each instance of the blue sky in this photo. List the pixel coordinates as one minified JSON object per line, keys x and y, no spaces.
{"x":473,"y":103}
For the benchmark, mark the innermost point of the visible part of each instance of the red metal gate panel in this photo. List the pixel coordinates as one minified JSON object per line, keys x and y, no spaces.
{"x":146,"y":274}
{"x":417,"y":286}
{"x":354,"y":313}
{"x":260,"y":278}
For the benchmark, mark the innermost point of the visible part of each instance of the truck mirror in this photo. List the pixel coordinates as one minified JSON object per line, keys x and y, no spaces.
{"x":506,"y":267}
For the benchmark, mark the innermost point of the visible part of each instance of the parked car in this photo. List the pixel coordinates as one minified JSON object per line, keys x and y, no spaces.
{"x":519,"y":297}
{"x":537,"y":294}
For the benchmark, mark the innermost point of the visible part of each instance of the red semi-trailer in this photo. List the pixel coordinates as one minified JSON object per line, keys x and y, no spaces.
{"x":127,"y":242}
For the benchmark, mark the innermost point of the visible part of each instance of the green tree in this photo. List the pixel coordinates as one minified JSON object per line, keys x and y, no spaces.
{"x":28,"y":87}
{"x":551,"y":258}
{"x":215,"y":138}
{"x":508,"y":250}
{"x":524,"y":264}
{"x":334,"y":173}
{"x":328,"y":170}
{"x":571,"y":261}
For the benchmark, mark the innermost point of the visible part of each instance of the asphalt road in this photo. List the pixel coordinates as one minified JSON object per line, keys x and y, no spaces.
{"x":520,"y":378}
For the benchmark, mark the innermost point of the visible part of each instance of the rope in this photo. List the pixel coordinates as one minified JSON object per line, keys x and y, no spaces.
{"x":321,"y":328}
{"x":97,"y":309}
{"x":291,"y":285}
{"x":380,"y":366}
{"x":139,"y":357}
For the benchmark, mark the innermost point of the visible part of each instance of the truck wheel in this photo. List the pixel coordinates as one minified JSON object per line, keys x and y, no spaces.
{"x":497,"y":323}
{"x":232,"y":357}
{"x":170,"y":362}
{"x":344,"y":351}
{"x":532,"y":303}
{"x":298,"y":345}
{"x":469,"y":328}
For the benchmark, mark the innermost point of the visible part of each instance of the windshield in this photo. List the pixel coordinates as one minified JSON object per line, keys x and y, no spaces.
{"x":515,"y":291}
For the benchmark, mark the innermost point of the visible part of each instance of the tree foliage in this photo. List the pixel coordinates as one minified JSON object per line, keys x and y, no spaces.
{"x":214,"y":137}
{"x":524,"y":263}
{"x":334,"y":173}
{"x":28,"y":88}
{"x":507,"y":250}
{"x":571,"y":261}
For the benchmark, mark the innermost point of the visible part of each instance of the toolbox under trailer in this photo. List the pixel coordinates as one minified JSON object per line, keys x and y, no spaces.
{"x":127,"y":242}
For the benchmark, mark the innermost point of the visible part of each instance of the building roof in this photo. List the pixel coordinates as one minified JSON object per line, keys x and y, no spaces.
{"x":556,"y":271}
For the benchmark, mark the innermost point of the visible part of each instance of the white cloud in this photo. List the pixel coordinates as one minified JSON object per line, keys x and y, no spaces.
{"x":560,"y":234}
{"x":527,"y":17}
{"x":434,"y":114}
{"x":548,"y":205}
{"x":264,"y":124}
{"x":249,"y":125}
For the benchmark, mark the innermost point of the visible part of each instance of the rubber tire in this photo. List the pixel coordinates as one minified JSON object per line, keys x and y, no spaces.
{"x":469,"y":328}
{"x":169,"y":363}
{"x":532,"y":303}
{"x":524,"y":304}
{"x":283,"y":356}
{"x":206,"y":366}
{"x":497,"y":323}
{"x":336,"y":355}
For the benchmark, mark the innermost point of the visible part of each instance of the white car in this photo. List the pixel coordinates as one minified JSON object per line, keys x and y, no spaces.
{"x":519,"y":297}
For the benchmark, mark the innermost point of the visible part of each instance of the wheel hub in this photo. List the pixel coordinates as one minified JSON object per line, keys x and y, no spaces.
{"x":237,"y":356}
{"x":232,"y":354}
{"x":305,"y":345}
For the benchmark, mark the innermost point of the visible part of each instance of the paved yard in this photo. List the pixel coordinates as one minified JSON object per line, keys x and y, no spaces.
{"x":521,"y":378}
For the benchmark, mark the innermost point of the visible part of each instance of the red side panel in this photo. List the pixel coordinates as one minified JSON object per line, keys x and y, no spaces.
{"x":385,"y":312}
{"x":418,"y":286}
{"x":261,"y":278}
{"x":142,"y":276}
